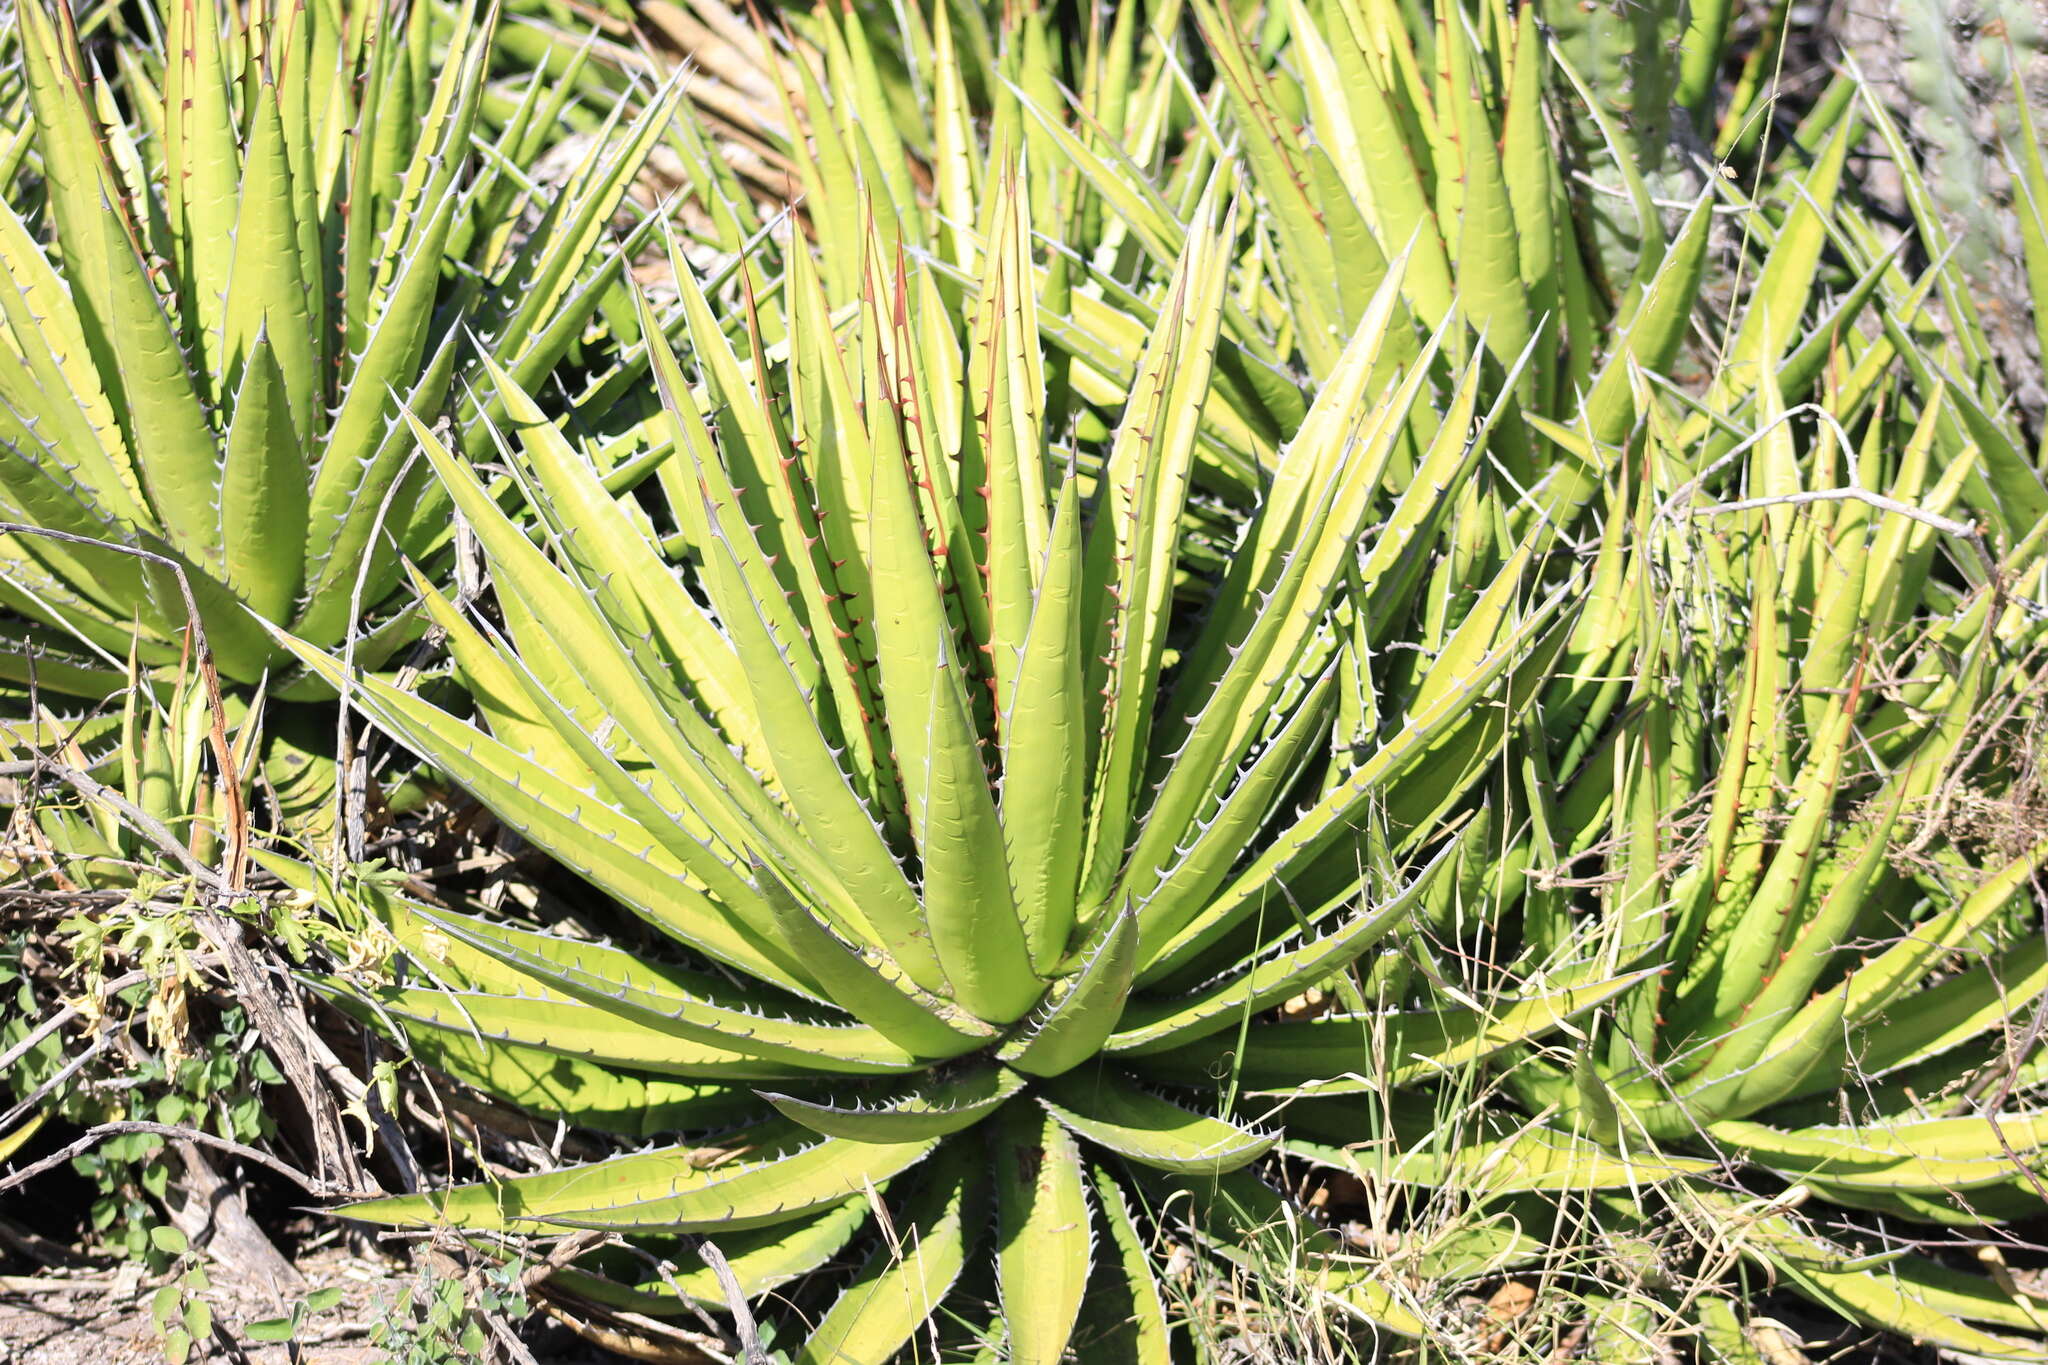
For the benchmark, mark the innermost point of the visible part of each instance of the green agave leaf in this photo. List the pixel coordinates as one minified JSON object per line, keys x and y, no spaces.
{"x":760,"y":1195}
{"x":553,"y":1086}
{"x":1399,"y":550}
{"x":2008,"y":1201}
{"x":1488,"y":256}
{"x":1217,"y":845}
{"x":1790,"y":1051}
{"x":1922,"y":1156}
{"x":756,"y":611}
{"x":1319,"y":494}
{"x":1130,"y":549}
{"x":1475,"y":1251}
{"x":869,"y":984}
{"x":1804,"y":364}
{"x":1872,"y":1297}
{"x":36,"y":490}
{"x":1043,"y":791}
{"x":733,"y":665}
{"x":1081,"y":1010}
{"x":498,"y":688}
{"x":359,"y":457}
{"x":134,"y":349}
{"x":1010,"y":428}
{"x":1290,"y":601}
{"x":969,"y":910}
{"x":760,"y":1259}
{"x":1743,"y":974}
{"x":1960,"y":1294}
{"x":1312,"y":833}
{"x":1531,"y":171}
{"x":618,"y":1182}
{"x":637,"y":590}
{"x":559,"y":817}
{"x":266,"y":297}
{"x":263,"y":487}
{"x":2018,"y":492}
{"x":565,"y":613}
{"x":429,"y":950}
{"x":556,"y":259}
{"x":1934,"y":236}
{"x":1044,"y":1241}
{"x":203,"y":158}
{"x":1539,"y":1158}
{"x":1122,"y":185}
{"x":933,"y":1108}
{"x":835,"y":457}
{"x":662,"y":1191}
{"x":1890,"y":974}
{"x":1142,"y":1326}
{"x":1391,"y":165}
{"x":1787,"y":279}
{"x":1278,"y":167}
{"x":1111,"y":1109}
{"x":711,"y":1014}
{"x":1253,"y":399}
{"x":664,"y":812}
{"x":1930,"y":1022}
{"x":36,"y":304}
{"x":1650,"y":343}
{"x":902,"y":1283}
{"x":569,"y":1029}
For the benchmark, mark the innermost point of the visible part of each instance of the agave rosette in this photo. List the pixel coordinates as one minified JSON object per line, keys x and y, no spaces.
{"x":982,"y":816}
{"x":1756,"y":734}
{"x":1813,"y":643}
{"x":242,"y":258}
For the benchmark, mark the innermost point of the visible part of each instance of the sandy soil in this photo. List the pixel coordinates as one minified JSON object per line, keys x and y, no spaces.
{"x":102,"y":1317}
{"x":76,"y":1317}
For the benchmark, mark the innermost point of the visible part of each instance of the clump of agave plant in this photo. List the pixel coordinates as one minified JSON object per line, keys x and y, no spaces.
{"x":984,"y":790}
{"x":236,"y":257}
{"x":1108,"y":707}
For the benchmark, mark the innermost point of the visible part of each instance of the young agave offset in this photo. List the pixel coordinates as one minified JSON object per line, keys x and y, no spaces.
{"x":245,"y":254}
{"x":148,"y":786}
{"x":969,"y":806}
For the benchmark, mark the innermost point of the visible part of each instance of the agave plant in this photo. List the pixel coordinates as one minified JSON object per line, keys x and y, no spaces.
{"x":1765,"y":813}
{"x":241,"y":256}
{"x":966,"y":816}
{"x":1792,"y":751}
